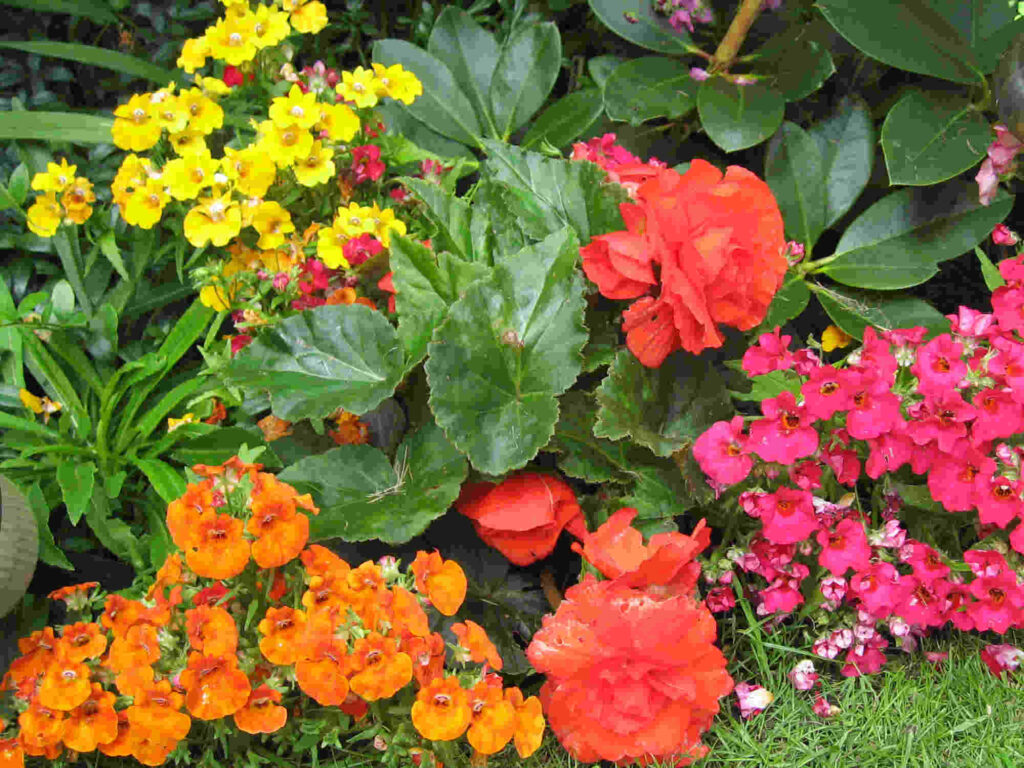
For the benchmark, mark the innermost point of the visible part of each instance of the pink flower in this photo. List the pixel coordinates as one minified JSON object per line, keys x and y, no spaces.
{"x":1003,"y":235}
{"x":833,"y":588}
{"x":864,"y":658}
{"x":366,"y":163}
{"x":1002,"y":659}
{"x":877,"y":588}
{"x":721,"y":452}
{"x":360,"y":249}
{"x":1001,"y":153}
{"x":952,"y":476}
{"x":770,"y":353}
{"x":753,"y":699}
{"x":787,"y":516}
{"x":698,"y":74}
{"x":802,"y":676}
{"x":997,"y":414}
{"x":398,"y":194}
{"x":999,"y":602}
{"x":874,"y":409}
{"x":936,"y":658}
{"x":720,"y":599}
{"x":785,"y":434}
{"x":240,"y":342}
{"x":822,"y":708}
{"x":1000,"y":503}
{"x":824,"y":392}
{"x":844,"y":548}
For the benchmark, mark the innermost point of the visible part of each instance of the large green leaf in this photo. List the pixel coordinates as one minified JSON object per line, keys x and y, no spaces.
{"x":510,"y":346}
{"x":932,"y":137}
{"x":448,"y":213}
{"x":987,"y":26}
{"x":797,"y":61}
{"x":168,"y":482}
{"x":323,"y":359}
{"x":97,"y":10}
{"x":854,"y":310}
{"x":76,"y":127}
{"x":400,"y":123}
{"x":846,"y":140}
{"x":908,"y":34}
{"x":426,"y":285}
{"x":76,"y":481}
{"x":525,"y":74}
{"x":581,"y":454}
{"x":443,"y":106}
{"x":636,"y":21}
{"x":99,"y":57}
{"x":471,"y":53}
{"x":49,"y":552}
{"x":649,"y":87}
{"x":549,"y":193}
{"x":362,"y":496}
{"x":220,"y":444}
{"x":789,"y":302}
{"x":566,"y":119}
{"x":662,"y":408}
{"x":738,"y":116}
{"x":899,"y":241}
{"x":793,"y":170}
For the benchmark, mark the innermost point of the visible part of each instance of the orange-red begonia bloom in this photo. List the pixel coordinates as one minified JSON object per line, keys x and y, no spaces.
{"x":529,"y":722}
{"x":712,"y":244}
{"x":493,"y":721}
{"x":283,"y":629}
{"x":219,"y":551}
{"x":92,"y":723}
{"x":381,"y":670}
{"x":474,"y":639}
{"x":262,"y":713}
{"x":441,"y":711}
{"x":523,"y":515}
{"x":442,"y":581}
{"x":214,"y":686}
{"x":211,"y":631}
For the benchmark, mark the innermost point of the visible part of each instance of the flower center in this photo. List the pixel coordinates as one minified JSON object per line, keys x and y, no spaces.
{"x":941,"y":365}
{"x":828,"y":388}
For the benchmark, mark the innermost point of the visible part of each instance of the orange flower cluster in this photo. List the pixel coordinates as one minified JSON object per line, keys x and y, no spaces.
{"x":244,"y":621}
{"x":712,"y":247}
{"x":633,"y":672}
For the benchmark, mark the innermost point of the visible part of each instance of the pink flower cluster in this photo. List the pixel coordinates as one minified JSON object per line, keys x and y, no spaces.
{"x":999,"y":161}
{"x":621,"y":165}
{"x":945,"y":408}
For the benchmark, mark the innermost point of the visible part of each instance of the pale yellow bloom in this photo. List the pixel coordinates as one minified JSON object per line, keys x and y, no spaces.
{"x":834,"y":338}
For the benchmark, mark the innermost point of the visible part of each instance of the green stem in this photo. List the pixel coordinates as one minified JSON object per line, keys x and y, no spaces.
{"x":736,"y":34}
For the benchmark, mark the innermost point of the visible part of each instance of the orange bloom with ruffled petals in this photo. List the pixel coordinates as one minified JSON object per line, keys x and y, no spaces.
{"x":327,"y":598}
{"x":442,"y":581}
{"x":322,"y":673}
{"x":155,"y":731}
{"x":211,"y":631}
{"x":441,"y":711}
{"x":38,"y":650}
{"x":281,"y":532}
{"x":120,"y":613}
{"x":405,"y":614}
{"x":41,"y":730}
{"x":427,"y":654}
{"x":65,"y":685}
{"x":381,"y":670}
{"x":134,"y":681}
{"x":184,"y":513}
{"x":283,"y":630}
{"x":529,"y":722}
{"x":81,"y":641}
{"x":493,"y":722}
{"x":214,"y":686}
{"x":219,"y":550}
{"x":138,"y":647}
{"x":474,"y":639}
{"x":262,"y":713}
{"x":121,"y":746}
{"x":92,"y":723}
{"x":364,"y":591}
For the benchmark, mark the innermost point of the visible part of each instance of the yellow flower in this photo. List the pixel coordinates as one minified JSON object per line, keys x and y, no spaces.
{"x":214,"y":297}
{"x":135,"y":124}
{"x":214,"y":219}
{"x":340,"y":122}
{"x":78,"y":199}
{"x":187,"y":176}
{"x":56,"y":178}
{"x":204,"y":114}
{"x":316,"y":168}
{"x":194,"y":54}
{"x":37,"y":405}
{"x":44,"y":215}
{"x":146,"y":204}
{"x":250,"y":169}
{"x":271,"y":26}
{"x":133,"y":173}
{"x":249,"y":207}
{"x":185,"y":143}
{"x":233,"y":38}
{"x":834,"y":338}
{"x":212,"y":87}
{"x":355,"y":220}
{"x":383,"y":222}
{"x":168,"y":110}
{"x":329,"y":244}
{"x":309,"y":18}
{"x":272,"y":222}
{"x":396,"y":82}
{"x":188,"y":418}
{"x":297,"y":108}
{"x":284,"y":144}
{"x":359,"y":86}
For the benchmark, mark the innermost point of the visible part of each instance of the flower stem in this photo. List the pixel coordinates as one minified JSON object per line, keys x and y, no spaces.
{"x":736,"y":34}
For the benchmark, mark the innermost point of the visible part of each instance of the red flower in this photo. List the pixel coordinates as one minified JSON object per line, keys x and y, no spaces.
{"x":366,"y":163}
{"x":523,"y":515}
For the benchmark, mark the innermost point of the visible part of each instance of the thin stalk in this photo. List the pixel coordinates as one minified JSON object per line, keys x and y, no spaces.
{"x":736,"y":34}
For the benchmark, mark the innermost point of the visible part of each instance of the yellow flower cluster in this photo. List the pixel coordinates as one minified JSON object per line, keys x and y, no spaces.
{"x":187,"y":117}
{"x":220,"y":293}
{"x":365,"y":87}
{"x":353,"y":221}
{"x":63,"y":197}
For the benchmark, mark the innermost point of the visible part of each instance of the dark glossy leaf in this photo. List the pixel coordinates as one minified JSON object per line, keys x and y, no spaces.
{"x":636,"y":21}
{"x":653,"y":86}
{"x":987,"y":26}
{"x":789,"y":302}
{"x":581,"y":454}
{"x":524,"y":75}
{"x":846,"y":140}
{"x":49,"y":552}
{"x":449,"y":214}
{"x":471,"y":53}
{"x":853,"y":310}
{"x":566,"y":119}
{"x":601,"y":68}
{"x":797,"y":61}
{"x":793,"y":170}
{"x":738,"y":116}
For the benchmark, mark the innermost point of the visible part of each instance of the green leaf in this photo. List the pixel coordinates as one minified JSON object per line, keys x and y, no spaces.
{"x":636,"y":21}
{"x":27,"y":425}
{"x":793,"y":170}
{"x":649,"y":87}
{"x":549,"y":193}
{"x":426,"y":285}
{"x":55,"y":382}
{"x":168,"y":482}
{"x":99,"y":57}
{"x":738,"y":116}
{"x":846,"y":140}
{"x":907,"y":34}
{"x":987,"y":26}
{"x":662,"y":408}
{"x":601,"y":68}
{"x":470,"y":53}
{"x":18,"y":184}
{"x":362,"y":496}
{"x":789,"y":302}
{"x":449,"y":214}
{"x":96,"y":10}
{"x":770,"y":384}
{"x":931,"y":137}
{"x":661,"y":492}
{"x":853,"y":311}
{"x":323,"y":359}
{"x":76,"y":127}
{"x":989,"y":271}
{"x":527,"y":68}
{"x":899,"y":241}
{"x":604,"y":338}
{"x":113,"y":534}
{"x":108,"y":247}
{"x":581,"y":454}
{"x":510,"y":346}
{"x":49,"y":552}
{"x":443,"y":106}
{"x":160,"y":543}
{"x":76,"y":483}
{"x":220,"y":444}
{"x":566,"y":119}
{"x":400,"y":122}
{"x":797,"y":61}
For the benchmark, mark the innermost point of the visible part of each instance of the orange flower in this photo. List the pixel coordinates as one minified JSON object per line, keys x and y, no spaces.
{"x":41,"y":730}
{"x":280,"y":531}
{"x":134,"y":681}
{"x":219,"y":551}
{"x":320,"y":561}
{"x":154,"y":732}
{"x":215,"y":686}
{"x":494,"y":718}
{"x":327,"y":598}
{"x":38,"y":651}
{"x":11,"y":754}
{"x":120,"y":613}
{"x":262,"y":713}
{"x":474,"y":639}
{"x":322,"y":671}
{"x":529,"y":722}
{"x":81,"y":641}
{"x":219,"y":413}
{"x":442,"y":581}
{"x":274,"y":428}
{"x":441,"y":711}
{"x":283,"y":630}
{"x":93,"y":723}
{"x":406,"y":614}
{"x":350,"y":430}
{"x":65,"y":685}
{"x":211,"y":631}
{"x":121,"y":746}
{"x":64,"y":593}
{"x":427,"y":656}
{"x":381,"y":669}
{"x":170,"y":573}
{"x":138,"y":647}
{"x":184,"y":514}
{"x":364,"y":589}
